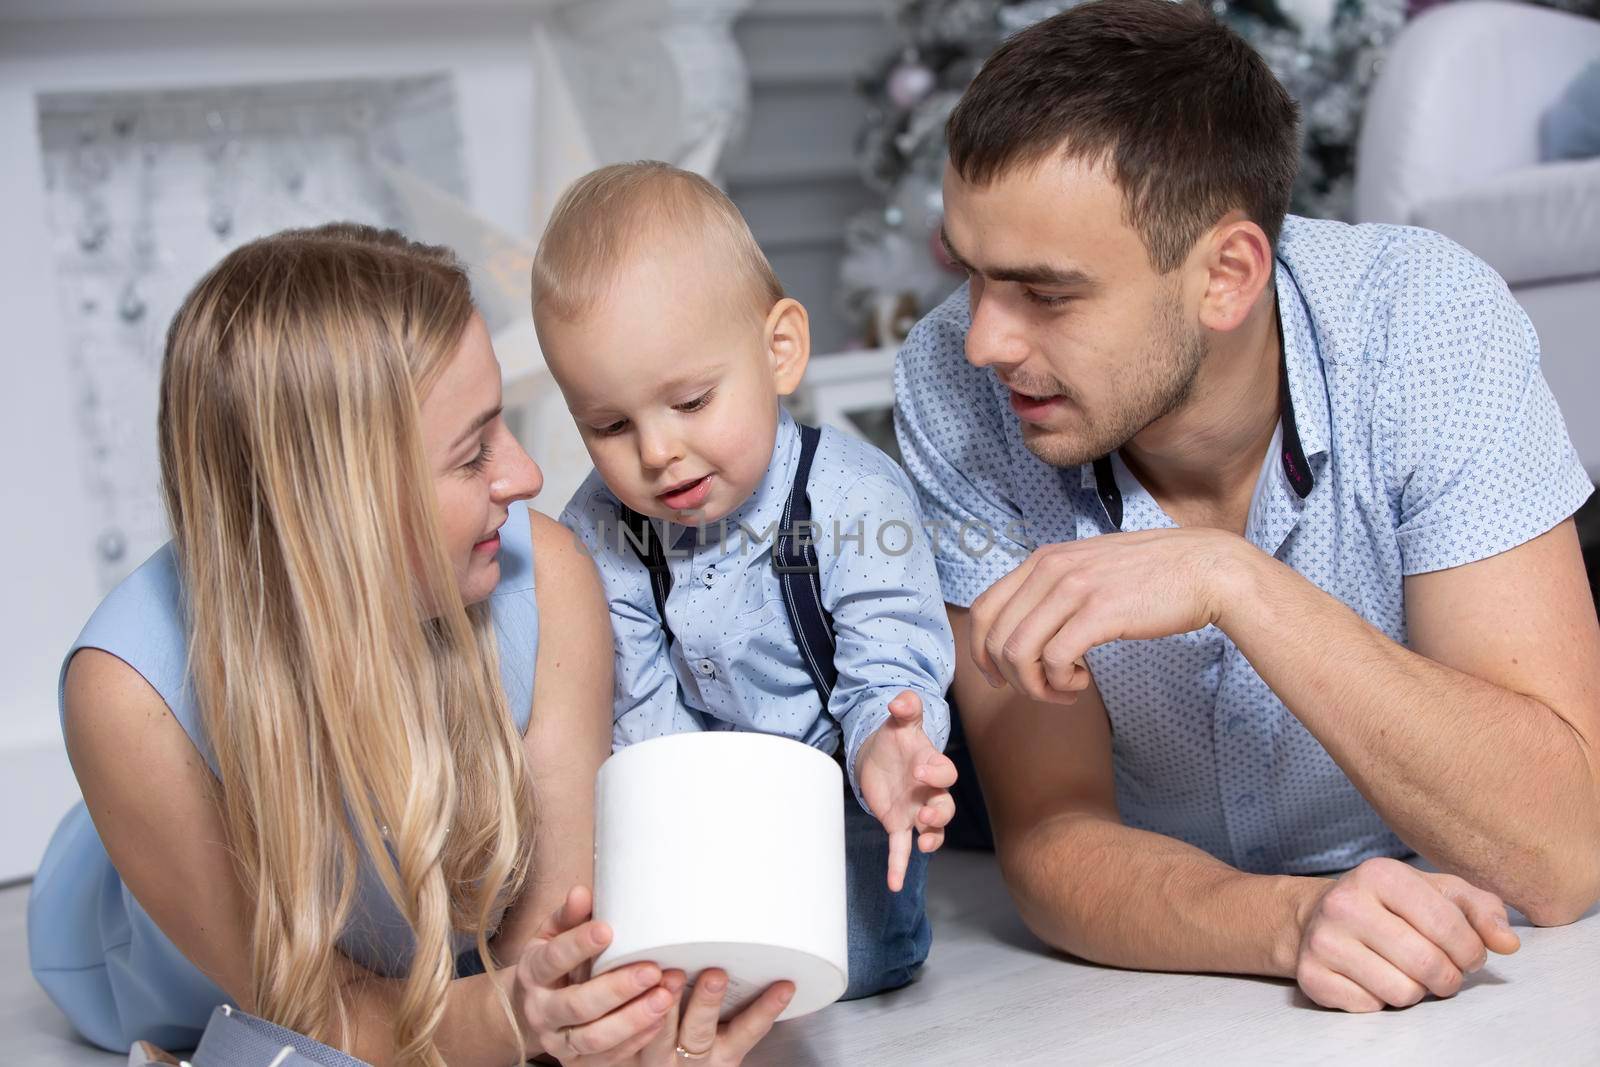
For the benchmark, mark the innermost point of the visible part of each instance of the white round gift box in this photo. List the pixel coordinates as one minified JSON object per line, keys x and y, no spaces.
{"x":725,"y":850}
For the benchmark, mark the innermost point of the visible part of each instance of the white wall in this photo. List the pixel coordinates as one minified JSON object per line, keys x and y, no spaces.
{"x":794,"y":174}
{"x":46,"y":540}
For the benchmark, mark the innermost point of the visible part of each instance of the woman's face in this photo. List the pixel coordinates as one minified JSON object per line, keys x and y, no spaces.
{"x":479,"y":469}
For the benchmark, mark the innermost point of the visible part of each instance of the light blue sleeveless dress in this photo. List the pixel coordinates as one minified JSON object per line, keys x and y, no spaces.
{"x":95,"y":951}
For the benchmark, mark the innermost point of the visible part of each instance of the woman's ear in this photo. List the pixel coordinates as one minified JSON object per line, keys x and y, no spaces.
{"x":788,"y":337}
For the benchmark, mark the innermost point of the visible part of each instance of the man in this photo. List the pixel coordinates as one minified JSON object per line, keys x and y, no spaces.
{"x":1255,"y":535}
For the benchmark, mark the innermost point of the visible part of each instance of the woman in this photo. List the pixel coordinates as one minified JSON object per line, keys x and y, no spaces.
{"x":339,"y":657}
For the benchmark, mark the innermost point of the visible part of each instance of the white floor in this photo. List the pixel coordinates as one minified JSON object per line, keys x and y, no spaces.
{"x":992,"y":995}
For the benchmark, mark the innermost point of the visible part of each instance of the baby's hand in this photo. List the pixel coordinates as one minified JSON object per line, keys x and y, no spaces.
{"x":906,"y":782}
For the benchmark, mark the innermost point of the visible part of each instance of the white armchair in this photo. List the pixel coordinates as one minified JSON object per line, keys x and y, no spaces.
{"x":1450,"y":142}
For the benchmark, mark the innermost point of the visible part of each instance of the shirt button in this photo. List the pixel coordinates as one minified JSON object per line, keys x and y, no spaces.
{"x":705,"y":667}
{"x":709,"y":576}
{"x":1247,"y":799}
{"x":1236,"y":724}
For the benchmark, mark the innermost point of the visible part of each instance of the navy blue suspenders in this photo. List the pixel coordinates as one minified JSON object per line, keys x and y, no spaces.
{"x":794,"y":559}
{"x":646,"y":544}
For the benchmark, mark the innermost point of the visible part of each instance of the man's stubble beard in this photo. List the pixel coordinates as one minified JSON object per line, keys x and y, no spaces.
{"x":1162,"y":383}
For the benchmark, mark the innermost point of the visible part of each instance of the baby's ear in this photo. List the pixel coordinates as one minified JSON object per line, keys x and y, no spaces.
{"x":788,"y":337}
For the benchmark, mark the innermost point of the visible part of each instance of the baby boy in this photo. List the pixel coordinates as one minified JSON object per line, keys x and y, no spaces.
{"x":761,"y":575}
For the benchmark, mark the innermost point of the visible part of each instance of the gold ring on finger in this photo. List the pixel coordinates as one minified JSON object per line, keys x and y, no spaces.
{"x":702,"y":1054}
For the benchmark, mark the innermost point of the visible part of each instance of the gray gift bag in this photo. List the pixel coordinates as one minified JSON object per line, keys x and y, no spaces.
{"x":234,"y":1038}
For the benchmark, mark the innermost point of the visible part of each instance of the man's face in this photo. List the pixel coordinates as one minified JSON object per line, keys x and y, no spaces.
{"x":1067,"y":310}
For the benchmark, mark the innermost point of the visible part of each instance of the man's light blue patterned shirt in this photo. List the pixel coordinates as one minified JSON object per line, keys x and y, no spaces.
{"x":735,"y":664}
{"x":1430,"y":440}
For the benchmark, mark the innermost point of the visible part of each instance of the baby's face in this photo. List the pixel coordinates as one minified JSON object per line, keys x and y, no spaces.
{"x":671,"y":382}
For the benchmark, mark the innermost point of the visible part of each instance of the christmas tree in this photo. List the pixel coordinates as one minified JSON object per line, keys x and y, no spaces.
{"x":1326,"y":53}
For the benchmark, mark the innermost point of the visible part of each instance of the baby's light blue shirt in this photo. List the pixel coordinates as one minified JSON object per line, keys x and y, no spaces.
{"x":735,"y":664}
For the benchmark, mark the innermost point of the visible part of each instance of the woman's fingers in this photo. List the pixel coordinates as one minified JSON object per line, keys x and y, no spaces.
{"x":659,"y":1049}
{"x":547,"y":962}
{"x":577,"y":1005}
{"x":573,"y":910}
{"x":697,"y":1030}
{"x":740,"y":1034}
{"x":642,"y":1043}
{"x":635,"y":1022}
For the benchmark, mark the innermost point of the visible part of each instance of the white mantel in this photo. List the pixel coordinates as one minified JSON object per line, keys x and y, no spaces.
{"x":546,"y":89}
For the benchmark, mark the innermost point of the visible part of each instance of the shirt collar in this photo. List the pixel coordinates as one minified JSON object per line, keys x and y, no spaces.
{"x":1308,"y":384}
{"x":764,"y":507}
{"x":1304,"y":414}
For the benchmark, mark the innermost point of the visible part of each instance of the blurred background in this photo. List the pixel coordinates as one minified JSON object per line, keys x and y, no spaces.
{"x":142,"y":139}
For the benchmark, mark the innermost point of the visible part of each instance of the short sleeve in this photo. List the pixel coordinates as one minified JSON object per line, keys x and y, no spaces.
{"x":952,"y":443}
{"x":1480,"y":460}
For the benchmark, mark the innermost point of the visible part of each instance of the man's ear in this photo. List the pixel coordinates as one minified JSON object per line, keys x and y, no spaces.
{"x":788,"y":336}
{"x":1239,"y":265}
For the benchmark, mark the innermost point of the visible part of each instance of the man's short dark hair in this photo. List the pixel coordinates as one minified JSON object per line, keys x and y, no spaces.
{"x":1187,"y":117}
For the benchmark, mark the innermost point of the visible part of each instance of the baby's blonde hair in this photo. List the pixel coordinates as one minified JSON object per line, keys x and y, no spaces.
{"x":607,"y":217}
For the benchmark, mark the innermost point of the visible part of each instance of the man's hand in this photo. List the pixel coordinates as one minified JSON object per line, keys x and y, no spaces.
{"x":1388,"y":934}
{"x":906,"y":782}
{"x":1032,"y":627}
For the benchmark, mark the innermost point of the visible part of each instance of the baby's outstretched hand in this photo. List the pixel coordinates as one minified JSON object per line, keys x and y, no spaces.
{"x":906,"y":782}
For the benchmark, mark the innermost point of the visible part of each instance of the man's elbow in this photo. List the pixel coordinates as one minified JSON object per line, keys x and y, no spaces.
{"x":1031,"y":864}
{"x":1564,"y":897}
{"x":1556,"y":884}
{"x":1558,"y":911}
{"x":1034,"y":903}
{"x":1554,"y":878}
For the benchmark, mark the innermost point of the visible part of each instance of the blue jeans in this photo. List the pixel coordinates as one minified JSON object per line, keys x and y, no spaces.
{"x":889,"y":932}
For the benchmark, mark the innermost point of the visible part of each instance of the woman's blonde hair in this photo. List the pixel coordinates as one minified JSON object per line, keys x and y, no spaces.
{"x":352,"y":701}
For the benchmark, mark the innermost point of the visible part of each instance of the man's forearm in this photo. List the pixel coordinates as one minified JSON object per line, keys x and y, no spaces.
{"x":1428,"y":745}
{"x":1102,"y":891}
